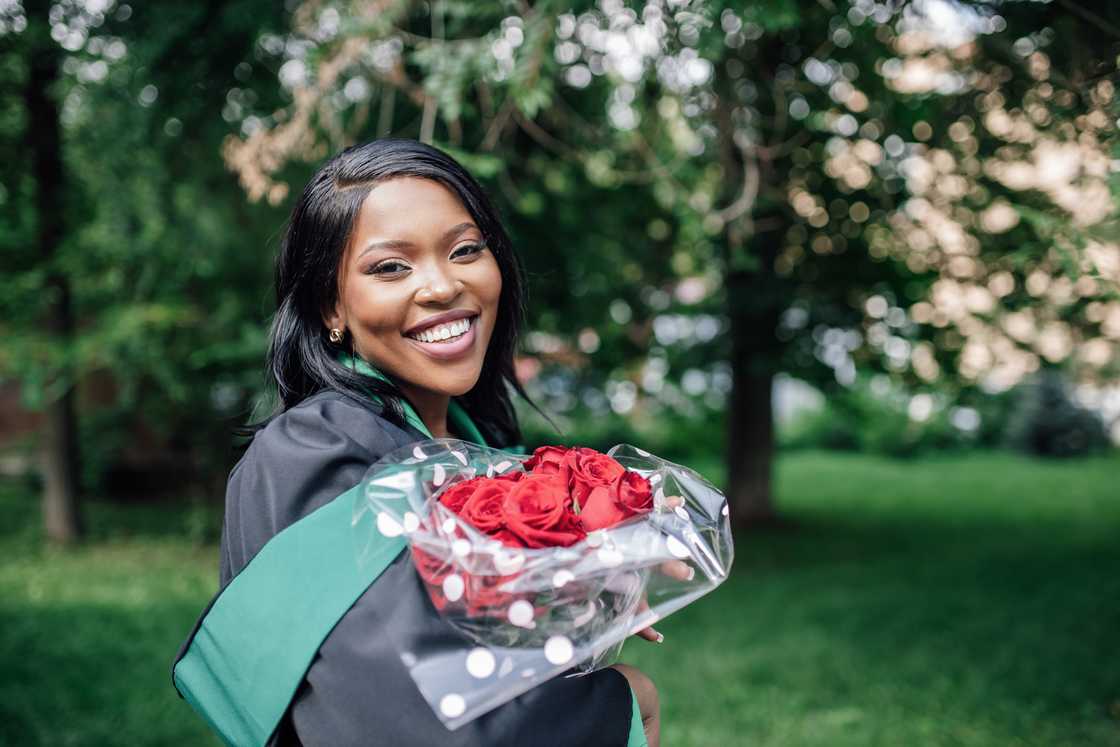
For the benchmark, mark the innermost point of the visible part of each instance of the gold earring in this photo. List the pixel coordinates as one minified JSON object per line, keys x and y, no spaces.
{"x":336,"y":335}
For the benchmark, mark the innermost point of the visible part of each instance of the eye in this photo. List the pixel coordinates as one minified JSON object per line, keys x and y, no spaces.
{"x":467,"y":250}
{"x":390,"y":267}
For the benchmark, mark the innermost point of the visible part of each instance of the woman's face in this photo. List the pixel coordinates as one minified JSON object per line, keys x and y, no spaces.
{"x":418,"y":289}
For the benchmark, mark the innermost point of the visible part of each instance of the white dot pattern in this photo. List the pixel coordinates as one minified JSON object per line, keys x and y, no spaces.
{"x":452,"y":705}
{"x":521,"y":613}
{"x":388,"y":526}
{"x":508,"y":562}
{"x":453,"y":587}
{"x":480,"y":663}
{"x":562,"y":578}
{"x":411,"y":522}
{"x":558,"y":650}
{"x":610,"y":557}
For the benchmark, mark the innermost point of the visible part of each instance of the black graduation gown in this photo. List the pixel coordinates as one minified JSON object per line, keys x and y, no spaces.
{"x":356,"y":690}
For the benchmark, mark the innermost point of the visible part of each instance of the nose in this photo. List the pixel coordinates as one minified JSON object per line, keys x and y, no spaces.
{"x":439,"y":286}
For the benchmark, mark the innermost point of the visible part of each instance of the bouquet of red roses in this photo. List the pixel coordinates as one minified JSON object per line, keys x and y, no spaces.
{"x":544,"y":563}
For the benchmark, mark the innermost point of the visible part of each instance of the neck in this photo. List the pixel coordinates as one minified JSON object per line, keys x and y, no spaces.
{"x":432,"y":409}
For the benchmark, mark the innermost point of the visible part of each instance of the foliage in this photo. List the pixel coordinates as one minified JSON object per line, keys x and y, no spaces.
{"x":880,"y":143}
{"x":168,"y":265}
{"x":704,"y":194}
{"x":948,"y":601}
{"x":697,"y":439}
{"x":823,"y":189}
{"x":877,"y":418}
{"x":1049,"y":422}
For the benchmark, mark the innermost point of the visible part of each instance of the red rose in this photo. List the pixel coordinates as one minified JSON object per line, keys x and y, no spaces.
{"x":538,"y":509}
{"x":483,"y":596}
{"x":433,"y":570}
{"x":484,"y":508}
{"x":548,"y":460}
{"x":590,"y":469}
{"x":606,"y":506}
{"x":635,"y":493}
{"x":455,"y":496}
{"x":507,"y":538}
{"x":513,"y":476}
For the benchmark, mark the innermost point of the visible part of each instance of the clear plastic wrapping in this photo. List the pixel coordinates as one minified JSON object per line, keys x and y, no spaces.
{"x":530,"y":613}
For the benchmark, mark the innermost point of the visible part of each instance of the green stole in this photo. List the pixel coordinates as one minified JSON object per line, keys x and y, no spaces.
{"x":241,"y":669}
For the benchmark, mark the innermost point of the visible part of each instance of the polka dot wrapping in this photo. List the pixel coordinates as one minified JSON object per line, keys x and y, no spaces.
{"x":526,"y":614}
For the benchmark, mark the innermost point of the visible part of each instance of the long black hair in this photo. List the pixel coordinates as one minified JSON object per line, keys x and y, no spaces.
{"x":302,"y":360}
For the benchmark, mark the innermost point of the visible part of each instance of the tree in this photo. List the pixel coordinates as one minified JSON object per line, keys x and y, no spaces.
{"x":132,"y":297}
{"x":771,"y":159}
{"x":61,"y":514}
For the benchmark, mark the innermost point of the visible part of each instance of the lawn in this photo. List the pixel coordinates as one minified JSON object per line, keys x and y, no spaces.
{"x":950,"y":601}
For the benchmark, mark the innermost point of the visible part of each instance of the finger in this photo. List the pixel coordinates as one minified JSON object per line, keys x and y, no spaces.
{"x":677,"y":569}
{"x":673,"y":501}
{"x":649,"y":633}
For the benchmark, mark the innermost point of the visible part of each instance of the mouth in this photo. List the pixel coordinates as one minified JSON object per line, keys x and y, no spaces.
{"x":445,"y":341}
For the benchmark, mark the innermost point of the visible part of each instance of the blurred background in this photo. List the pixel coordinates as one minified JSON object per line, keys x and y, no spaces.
{"x":857,"y":262}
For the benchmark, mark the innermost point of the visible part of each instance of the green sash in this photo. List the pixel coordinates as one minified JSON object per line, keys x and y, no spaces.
{"x":456,"y":415}
{"x":241,"y":669}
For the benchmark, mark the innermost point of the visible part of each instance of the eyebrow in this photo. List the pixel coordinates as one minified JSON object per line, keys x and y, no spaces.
{"x":449,"y":235}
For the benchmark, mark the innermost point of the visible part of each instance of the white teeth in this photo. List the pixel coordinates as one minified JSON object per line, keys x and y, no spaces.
{"x":443,"y":331}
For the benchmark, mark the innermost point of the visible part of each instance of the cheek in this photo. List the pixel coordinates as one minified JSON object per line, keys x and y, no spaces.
{"x":376,"y":308}
{"x":490,"y":282}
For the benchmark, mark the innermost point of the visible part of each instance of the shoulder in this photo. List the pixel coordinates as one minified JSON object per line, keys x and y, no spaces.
{"x":301,"y":460}
{"x":323,"y":419}
{"x":325,"y":428}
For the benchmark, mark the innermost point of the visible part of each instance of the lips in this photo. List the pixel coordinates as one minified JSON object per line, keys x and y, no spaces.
{"x":449,"y":349}
{"x":437,"y":319}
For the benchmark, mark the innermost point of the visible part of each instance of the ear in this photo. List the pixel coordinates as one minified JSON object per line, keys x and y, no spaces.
{"x":335,"y":318}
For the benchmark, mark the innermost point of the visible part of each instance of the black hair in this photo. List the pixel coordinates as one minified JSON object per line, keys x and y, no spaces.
{"x":302,"y":360}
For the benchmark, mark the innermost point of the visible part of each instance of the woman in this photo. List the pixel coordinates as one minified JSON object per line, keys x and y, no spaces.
{"x":399,"y":305}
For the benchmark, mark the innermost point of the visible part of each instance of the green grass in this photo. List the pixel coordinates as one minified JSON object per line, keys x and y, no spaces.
{"x":948,"y":601}
{"x":951,"y":601}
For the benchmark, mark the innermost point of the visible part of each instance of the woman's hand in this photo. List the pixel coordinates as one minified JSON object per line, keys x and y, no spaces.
{"x":648,"y":703}
{"x":677,"y":569}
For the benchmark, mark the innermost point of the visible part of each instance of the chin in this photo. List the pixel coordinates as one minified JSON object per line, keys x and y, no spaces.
{"x":457,"y":386}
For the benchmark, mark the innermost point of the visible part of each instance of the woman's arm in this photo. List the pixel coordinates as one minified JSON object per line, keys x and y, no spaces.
{"x":645,"y":692}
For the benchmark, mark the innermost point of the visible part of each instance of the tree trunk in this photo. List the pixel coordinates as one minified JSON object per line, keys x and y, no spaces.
{"x":750,"y":448}
{"x":756,"y":298}
{"x":59,"y":442}
{"x":750,"y":416}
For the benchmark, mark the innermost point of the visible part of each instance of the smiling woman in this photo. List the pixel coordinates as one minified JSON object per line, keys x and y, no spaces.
{"x":385,"y":238}
{"x":419,"y":293}
{"x":399,"y":304}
